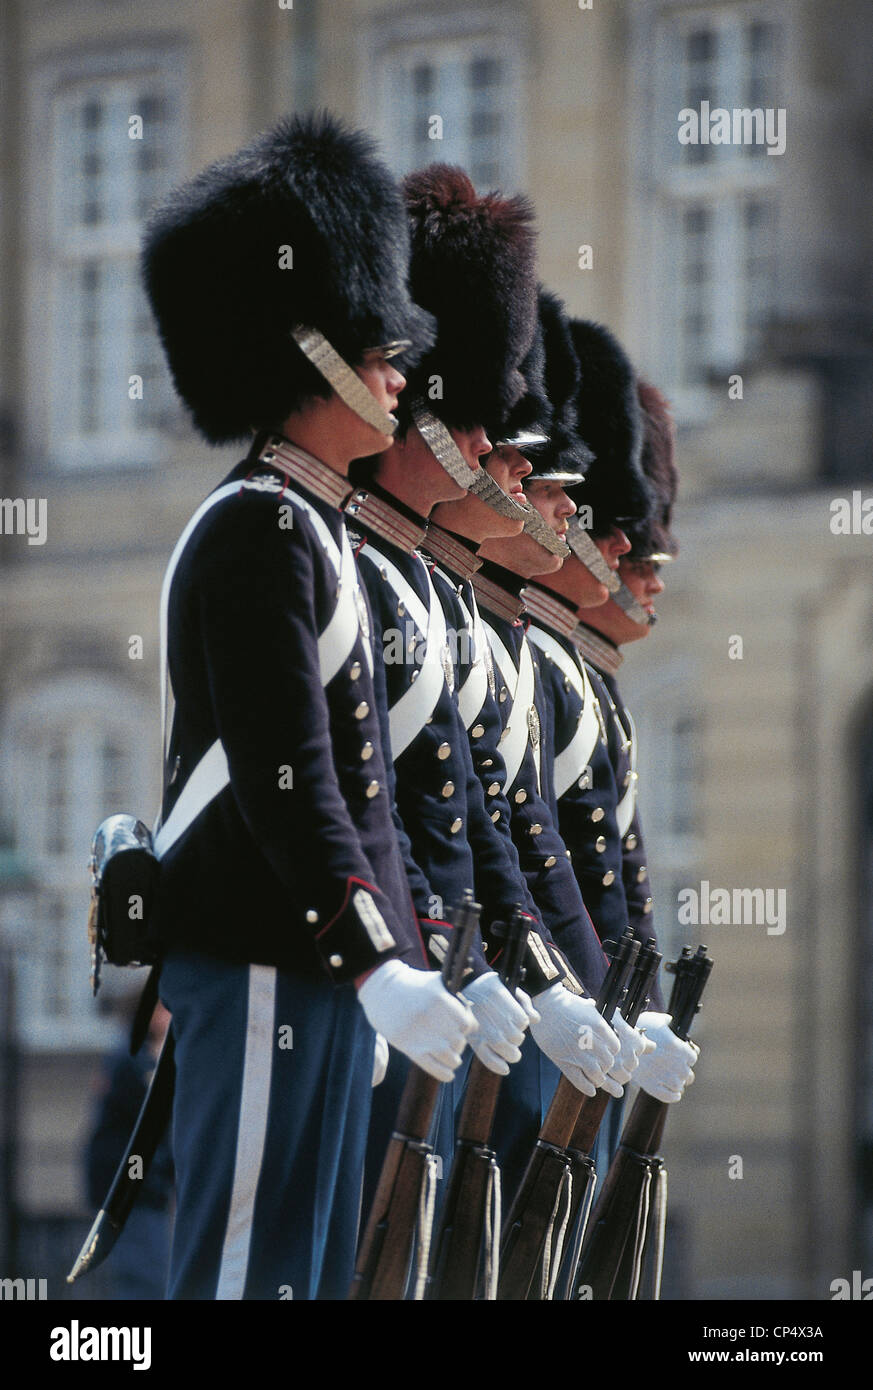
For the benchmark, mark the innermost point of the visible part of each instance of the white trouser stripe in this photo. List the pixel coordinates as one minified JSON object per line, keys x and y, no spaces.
{"x":251,"y":1131}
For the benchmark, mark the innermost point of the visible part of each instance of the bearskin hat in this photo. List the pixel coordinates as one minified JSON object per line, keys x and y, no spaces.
{"x":303,"y":227}
{"x":472,"y":267}
{"x":610,"y":422}
{"x":565,"y":456}
{"x":652,"y":538}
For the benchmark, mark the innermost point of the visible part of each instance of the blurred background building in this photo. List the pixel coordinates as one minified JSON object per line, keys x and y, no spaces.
{"x":741,"y":284}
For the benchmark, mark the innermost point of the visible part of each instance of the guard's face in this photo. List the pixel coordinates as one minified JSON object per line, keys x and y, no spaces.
{"x":474,"y":444}
{"x":643,"y":579}
{"x":383,"y":381}
{"x":612,"y":546}
{"x":552,"y":503}
{"x":508,"y":467}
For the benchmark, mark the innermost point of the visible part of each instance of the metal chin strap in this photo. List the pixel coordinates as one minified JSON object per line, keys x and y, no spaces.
{"x":442,"y":445}
{"x":347,"y":384}
{"x":537,"y":527}
{"x":484,"y":487}
{"x":585,"y":549}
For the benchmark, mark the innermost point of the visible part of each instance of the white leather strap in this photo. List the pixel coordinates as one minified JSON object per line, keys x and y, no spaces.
{"x":520,"y":689}
{"x":409,"y":714}
{"x":211,"y":775}
{"x":570,"y":762}
{"x":628,"y":804}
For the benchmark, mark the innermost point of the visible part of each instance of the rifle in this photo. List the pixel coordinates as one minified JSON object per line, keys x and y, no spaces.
{"x":587,"y":1126}
{"x":613,"y":1252}
{"x":151,"y":1123}
{"x":529,"y":1241}
{"x":471,"y":1210}
{"x":406,"y":1188}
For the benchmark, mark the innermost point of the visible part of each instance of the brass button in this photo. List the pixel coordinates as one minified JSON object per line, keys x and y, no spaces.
{"x":642,"y":874}
{"x":535,"y":830}
{"x":411,"y":645}
{"x":312,"y":916}
{"x":477,"y":730}
{"x":487,"y":762}
{"x":568,"y":854}
{"x":443,"y":751}
{"x":448,"y":789}
{"x":373,"y":790}
{"x":455,"y":826}
{"x":583,"y":781}
{"x":383,"y":571}
{"x":550,"y":862}
{"x":362,"y":710}
{"x":414,"y":677}
{"x":495,"y":816}
{"x":335,"y":961}
{"x":597,"y":814}
{"x":627,"y":778}
{"x":401,"y":609}
{"x":502,"y":694}
{"x":355,"y":670}
{"x":630,"y":841}
{"x":600,"y":844}
{"x":493,"y":788}
{"x":647,"y":905}
{"x":520,"y":795}
{"x":608,"y":878}
{"x":366,"y":752}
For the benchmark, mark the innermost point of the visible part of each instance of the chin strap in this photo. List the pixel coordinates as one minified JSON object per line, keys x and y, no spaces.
{"x":484,"y":487}
{"x":442,"y":445}
{"x":347,"y":384}
{"x":585,"y":549}
{"x":539,"y":529}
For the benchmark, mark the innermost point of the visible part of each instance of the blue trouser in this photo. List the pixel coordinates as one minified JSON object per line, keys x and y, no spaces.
{"x":270,"y":1117}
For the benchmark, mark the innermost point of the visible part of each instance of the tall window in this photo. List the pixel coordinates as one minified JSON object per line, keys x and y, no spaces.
{"x":115,"y":148}
{"x":717,"y":204}
{"x":452,"y":94}
{"x":73,"y":752}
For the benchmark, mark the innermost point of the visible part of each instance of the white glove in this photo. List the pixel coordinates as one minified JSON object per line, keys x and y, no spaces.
{"x":501,"y":1021}
{"x":577,"y":1039}
{"x":417,"y":1015}
{"x":634,"y":1046}
{"x":667,"y":1071}
{"x":380,"y":1060}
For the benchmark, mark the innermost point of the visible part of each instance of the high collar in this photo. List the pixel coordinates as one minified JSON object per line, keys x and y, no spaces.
{"x":310,"y":473}
{"x":381,"y":514}
{"x":499,"y":590}
{"x":553,"y":609}
{"x":456,"y":553}
{"x":597,"y":649}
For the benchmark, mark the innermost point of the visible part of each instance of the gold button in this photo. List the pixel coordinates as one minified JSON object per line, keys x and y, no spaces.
{"x":535,"y":830}
{"x":373,"y":790}
{"x":647,"y":905}
{"x":568,"y":854}
{"x":363,"y":710}
{"x":477,"y":730}
{"x":443,"y":751}
{"x":583,"y":781}
{"x":608,"y":878}
{"x":401,"y":609}
{"x":495,"y":816}
{"x":355,"y":670}
{"x":550,"y":862}
{"x":411,"y":644}
{"x":521,"y":795}
{"x":487,"y":762}
{"x":455,"y":826}
{"x":312,"y":916}
{"x":627,"y":778}
{"x":642,"y":874}
{"x":414,"y":677}
{"x":335,"y":961}
{"x":366,"y":752}
{"x":566,"y":682}
{"x":600,"y":844}
{"x":597,"y":814}
{"x":631,"y":841}
{"x":502,"y":694}
{"x":493,"y":788}
{"x":448,"y":788}
{"x":383,"y":571}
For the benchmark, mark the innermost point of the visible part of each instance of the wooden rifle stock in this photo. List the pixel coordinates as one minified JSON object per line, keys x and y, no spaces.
{"x":470,"y":1195}
{"x":384,"y":1255}
{"x":612,"y":1254}
{"x":547,"y":1182}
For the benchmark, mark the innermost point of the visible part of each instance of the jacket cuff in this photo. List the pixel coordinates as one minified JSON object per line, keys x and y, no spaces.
{"x":359,"y":937}
{"x":436,"y":935}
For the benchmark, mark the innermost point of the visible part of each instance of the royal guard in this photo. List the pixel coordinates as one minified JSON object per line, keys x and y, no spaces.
{"x":278,"y":281}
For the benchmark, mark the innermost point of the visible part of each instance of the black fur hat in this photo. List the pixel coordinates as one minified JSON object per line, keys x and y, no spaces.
{"x":225,"y":307}
{"x":652,"y":538}
{"x":610,"y":422}
{"x":473,"y":268}
{"x":565,"y":456}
